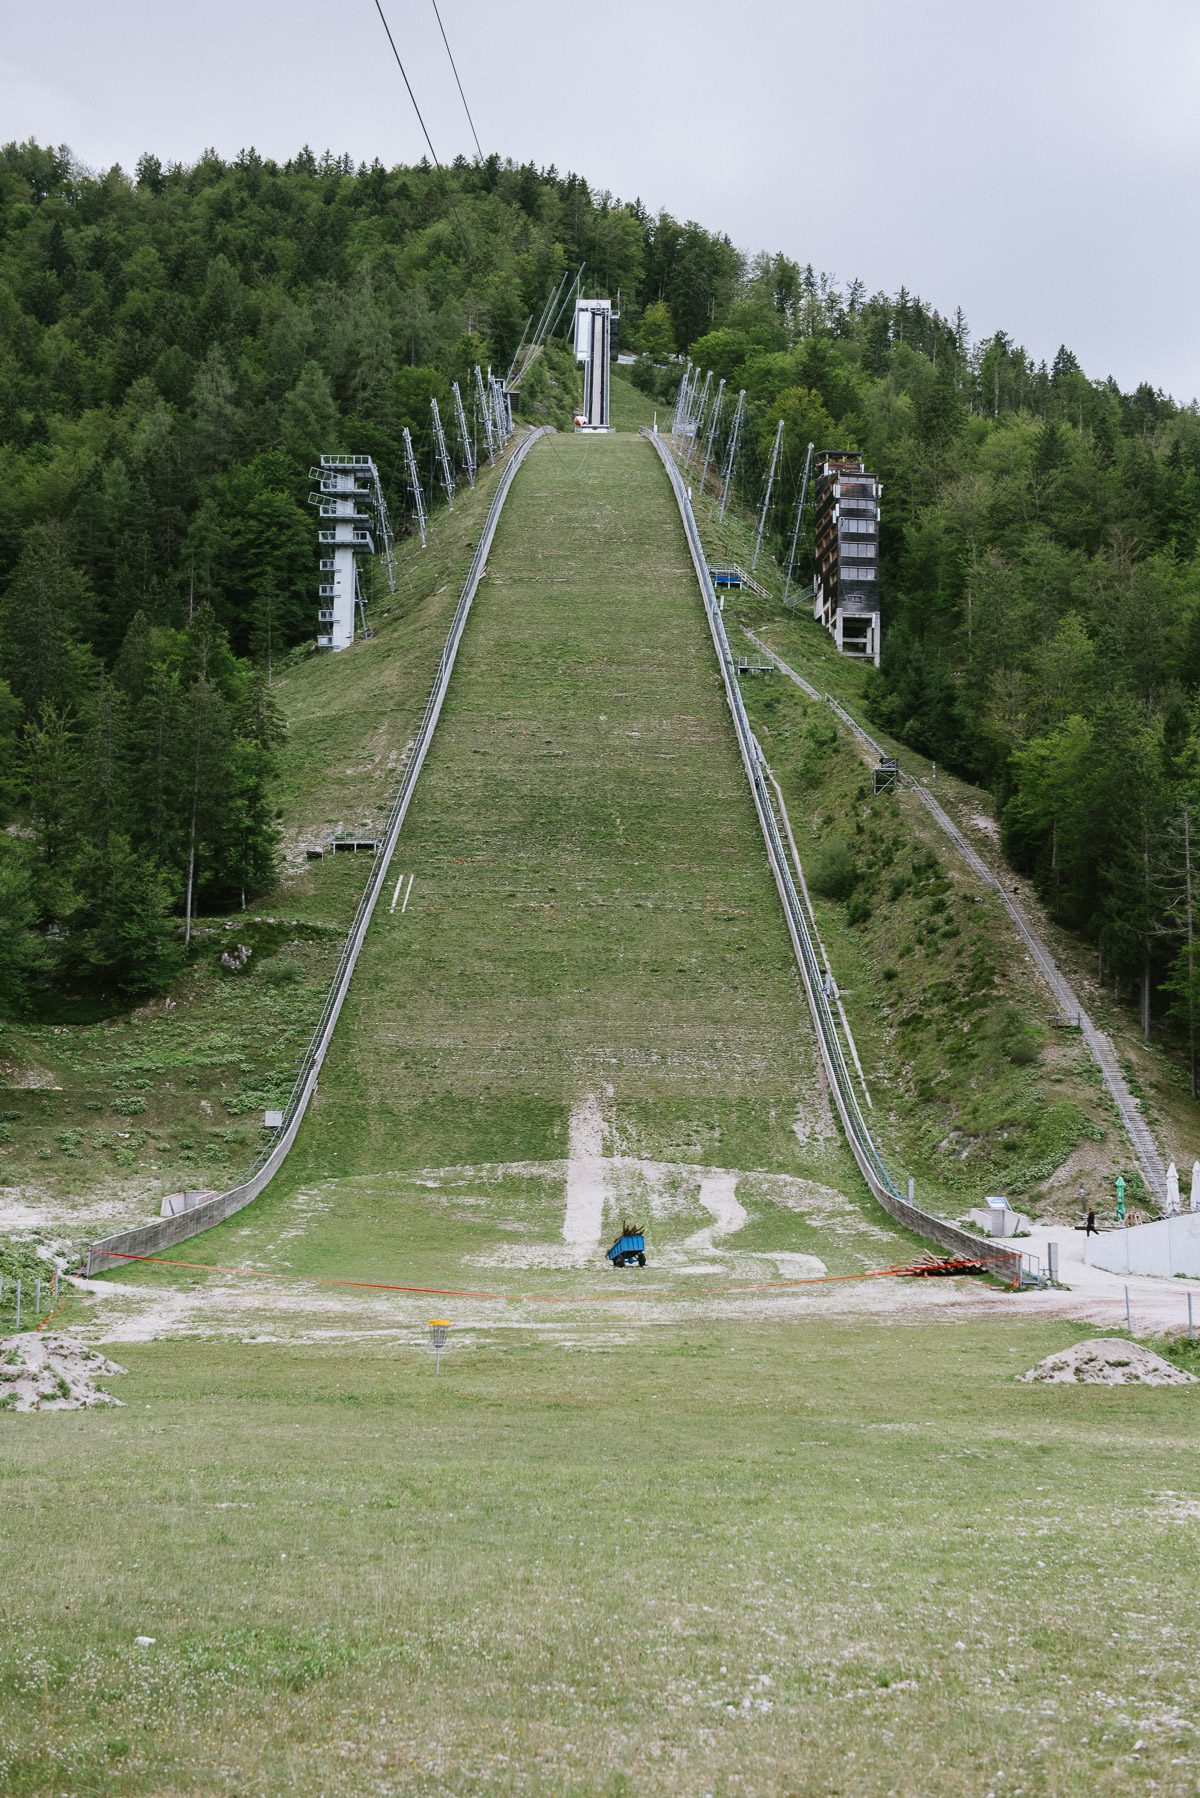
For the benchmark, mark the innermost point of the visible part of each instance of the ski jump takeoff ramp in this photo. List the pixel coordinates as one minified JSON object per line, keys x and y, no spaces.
{"x":591,"y":963}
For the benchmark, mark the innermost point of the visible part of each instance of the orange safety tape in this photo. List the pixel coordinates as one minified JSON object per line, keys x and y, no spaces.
{"x":49,"y":1315}
{"x":263,"y":1273}
{"x":527,"y":1298}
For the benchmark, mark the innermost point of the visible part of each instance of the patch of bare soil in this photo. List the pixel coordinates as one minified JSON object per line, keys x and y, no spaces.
{"x":52,"y":1373}
{"x":1109,"y":1361}
{"x":28,"y":1079}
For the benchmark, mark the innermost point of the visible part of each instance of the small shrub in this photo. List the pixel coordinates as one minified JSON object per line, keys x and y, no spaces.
{"x":282,"y":971}
{"x":833,"y":872}
{"x":129,"y":1107}
{"x":858,"y":909}
{"x":898,"y":886}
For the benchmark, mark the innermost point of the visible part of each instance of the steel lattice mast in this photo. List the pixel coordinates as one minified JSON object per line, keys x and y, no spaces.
{"x":738,"y":412}
{"x":762,"y":519}
{"x":791,"y":561}
{"x":681,"y":400}
{"x":701,"y":409}
{"x":414,"y":481}
{"x":714,"y":420}
{"x":443,"y":455}
{"x":483,"y":411}
{"x":461,"y":420}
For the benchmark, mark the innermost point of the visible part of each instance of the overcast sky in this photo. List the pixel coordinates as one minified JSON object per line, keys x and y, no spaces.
{"x":1034,"y":161}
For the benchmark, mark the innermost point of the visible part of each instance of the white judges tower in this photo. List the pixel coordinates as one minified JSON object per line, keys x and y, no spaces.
{"x":351,"y":510}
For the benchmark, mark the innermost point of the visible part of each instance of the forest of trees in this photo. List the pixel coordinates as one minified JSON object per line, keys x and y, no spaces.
{"x":180,"y":343}
{"x":1040,"y":580}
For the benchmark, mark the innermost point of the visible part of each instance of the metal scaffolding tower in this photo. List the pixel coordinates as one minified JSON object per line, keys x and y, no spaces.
{"x":351,"y":514}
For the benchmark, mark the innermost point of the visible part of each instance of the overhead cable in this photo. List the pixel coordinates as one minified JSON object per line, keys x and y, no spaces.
{"x":441,"y":171}
{"x":449,"y":52}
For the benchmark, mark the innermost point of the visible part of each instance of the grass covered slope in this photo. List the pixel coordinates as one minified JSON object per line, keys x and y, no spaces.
{"x":101,"y":1115}
{"x":591,"y":904}
{"x":827,"y":1558}
{"x":592,"y":961}
{"x":977,"y":1090}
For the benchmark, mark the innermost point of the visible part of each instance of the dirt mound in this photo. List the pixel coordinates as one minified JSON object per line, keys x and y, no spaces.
{"x":1108,"y":1361}
{"x":51,"y":1373}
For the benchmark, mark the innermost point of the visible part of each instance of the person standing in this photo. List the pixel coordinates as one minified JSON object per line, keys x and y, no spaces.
{"x":1091,"y":1229}
{"x":1120,"y":1198}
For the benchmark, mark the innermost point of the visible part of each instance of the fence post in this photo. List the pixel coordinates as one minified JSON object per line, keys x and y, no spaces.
{"x":1128,"y":1319}
{"x":37,"y":1302}
{"x":18,"y":1304}
{"x":1191,"y":1332}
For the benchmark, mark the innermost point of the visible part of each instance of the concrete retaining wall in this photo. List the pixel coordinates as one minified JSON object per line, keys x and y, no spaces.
{"x":1168,"y":1246}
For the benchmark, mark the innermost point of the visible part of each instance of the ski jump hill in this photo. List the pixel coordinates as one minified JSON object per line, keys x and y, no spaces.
{"x":601,"y":919}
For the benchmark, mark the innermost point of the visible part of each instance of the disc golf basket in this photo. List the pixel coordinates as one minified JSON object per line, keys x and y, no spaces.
{"x":439,"y":1330}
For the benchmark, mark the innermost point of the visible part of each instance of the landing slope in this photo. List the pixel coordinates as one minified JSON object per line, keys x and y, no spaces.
{"x":591,"y":962}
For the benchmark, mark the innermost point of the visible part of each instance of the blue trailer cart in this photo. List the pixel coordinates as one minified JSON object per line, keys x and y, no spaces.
{"x":629,"y":1250}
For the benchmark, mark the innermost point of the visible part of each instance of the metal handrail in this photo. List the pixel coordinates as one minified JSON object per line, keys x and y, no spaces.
{"x":1099,"y":1046}
{"x":270,"y":1159}
{"x":858,"y":1135}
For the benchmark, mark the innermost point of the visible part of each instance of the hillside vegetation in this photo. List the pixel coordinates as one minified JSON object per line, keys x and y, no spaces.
{"x":180,"y":343}
{"x":103,"y":1110}
{"x":977,"y":1080}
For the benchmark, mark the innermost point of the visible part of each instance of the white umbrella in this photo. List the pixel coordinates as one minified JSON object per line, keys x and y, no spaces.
{"x":1196,"y":1186}
{"x":1172,"y":1206}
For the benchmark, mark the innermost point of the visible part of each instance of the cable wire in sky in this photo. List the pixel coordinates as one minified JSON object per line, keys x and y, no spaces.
{"x":449,"y":52}
{"x":441,"y":171}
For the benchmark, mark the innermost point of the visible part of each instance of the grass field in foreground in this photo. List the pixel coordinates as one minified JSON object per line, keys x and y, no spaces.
{"x":833,"y":1558}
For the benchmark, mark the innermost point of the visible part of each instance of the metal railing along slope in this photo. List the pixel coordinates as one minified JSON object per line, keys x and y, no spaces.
{"x":162,"y":1233}
{"x":858,"y":1134}
{"x":1102,"y":1051}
